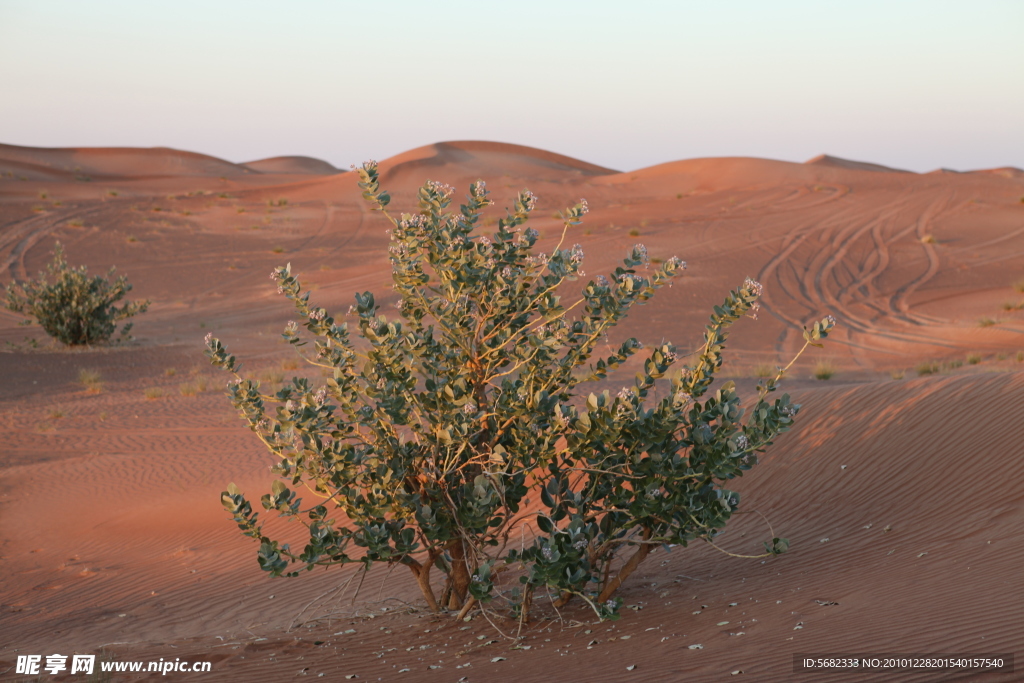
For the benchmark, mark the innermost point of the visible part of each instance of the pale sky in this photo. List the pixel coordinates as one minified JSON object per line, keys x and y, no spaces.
{"x":915,"y":84}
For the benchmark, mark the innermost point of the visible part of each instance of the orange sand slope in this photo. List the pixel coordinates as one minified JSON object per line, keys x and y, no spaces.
{"x":901,"y":495}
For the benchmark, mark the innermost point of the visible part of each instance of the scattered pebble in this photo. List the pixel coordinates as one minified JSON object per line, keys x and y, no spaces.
{"x":697,"y":646}
{"x":630,"y":667}
{"x":497,"y":659}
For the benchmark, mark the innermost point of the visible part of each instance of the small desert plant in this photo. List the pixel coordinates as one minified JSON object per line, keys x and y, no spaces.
{"x":75,"y":309}
{"x":973,"y":358}
{"x":278,"y":250}
{"x":188,"y":389}
{"x":459,"y":425}
{"x":1018,"y":286}
{"x":824,"y":369}
{"x":153,"y":393}
{"x":170,"y":372}
{"x":56,"y":413}
{"x":897,"y":374}
{"x":928,"y":239}
{"x":90,"y":379}
{"x":131,"y":238}
{"x":763,"y":371}
{"x":928,"y":368}
{"x":633,"y":232}
{"x":987,"y":322}
{"x":279,"y":202}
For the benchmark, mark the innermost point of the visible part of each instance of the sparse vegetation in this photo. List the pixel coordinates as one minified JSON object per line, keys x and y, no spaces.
{"x":278,"y":202}
{"x":973,"y":358}
{"x":431,"y":452}
{"x":90,"y":379}
{"x":170,"y":372}
{"x":130,"y":239}
{"x":930,"y":368}
{"x":824,"y":369}
{"x":987,"y":322}
{"x":188,"y":389}
{"x":633,"y":232}
{"x":897,"y":374}
{"x":764,"y":370}
{"x":278,"y":250}
{"x":55,"y":413}
{"x":928,"y":239}
{"x":153,"y":393}
{"x":75,"y":309}
{"x":1018,"y":286}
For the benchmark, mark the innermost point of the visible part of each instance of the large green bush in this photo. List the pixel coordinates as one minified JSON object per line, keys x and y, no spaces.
{"x":75,"y":309}
{"x":455,"y":436}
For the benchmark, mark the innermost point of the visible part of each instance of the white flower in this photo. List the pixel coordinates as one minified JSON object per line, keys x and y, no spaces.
{"x":291,"y":328}
{"x":643,"y":253}
{"x":320,"y":396}
{"x":576,"y":254}
{"x":469,"y":409}
{"x":602,"y":281}
{"x":584,"y":207}
{"x":440,"y":188}
{"x":830,"y":320}
{"x":208,"y":338}
{"x":742,"y":442}
{"x":677,"y":263}
{"x":479,"y":189}
{"x":318,"y":314}
{"x":625,"y":394}
{"x":528,"y":199}
{"x":753,"y":286}
{"x":580,"y":544}
{"x":485,"y":240}
{"x":546,"y":552}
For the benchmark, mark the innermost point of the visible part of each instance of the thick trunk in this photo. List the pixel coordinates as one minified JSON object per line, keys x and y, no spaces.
{"x":639,"y":556}
{"x":459,"y":577}
{"x":422,"y":574}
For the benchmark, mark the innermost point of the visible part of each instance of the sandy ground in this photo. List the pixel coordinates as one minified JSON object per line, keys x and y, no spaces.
{"x":901,"y":494}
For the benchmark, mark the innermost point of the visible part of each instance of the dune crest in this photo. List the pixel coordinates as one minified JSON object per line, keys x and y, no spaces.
{"x":827,"y":160}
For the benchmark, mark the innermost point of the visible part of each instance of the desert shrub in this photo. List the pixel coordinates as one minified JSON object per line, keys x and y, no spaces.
{"x":973,"y":358}
{"x":91,"y":380}
{"x":75,"y":309}
{"x":824,"y":369}
{"x":456,"y":437}
{"x":987,"y":322}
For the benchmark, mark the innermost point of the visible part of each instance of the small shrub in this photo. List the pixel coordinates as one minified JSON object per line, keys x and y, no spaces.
{"x":188,"y":389}
{"x":897,"y":374}
{"x":289,"y":364}
{"x":1020,"y":356}
{"x":90,"y":379}
{"x":55,"y":413}
{"x":112,"y":193}
{"x":679,"y":195}
{"x":278,"y":250}
{"x":928,"y":239}
{"x":633,"y":232}
{"x":763,"y":371}
{"x":824,"y":369}
{"x":153,"y":393}
{"x":75,"y":223}
{"x":130,"y":239}
{"x":201,"y":383}
{"x":927,"y":369}
{"x":75,"y":309}
{"x":973,"y":358}
{"x":170,"y":372}
{"x":434,"y":453}
{"x":1018,"y":286}
{"x":987,"y":322}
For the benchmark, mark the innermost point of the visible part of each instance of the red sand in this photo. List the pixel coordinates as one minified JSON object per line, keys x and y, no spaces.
{"x":902,"y":498}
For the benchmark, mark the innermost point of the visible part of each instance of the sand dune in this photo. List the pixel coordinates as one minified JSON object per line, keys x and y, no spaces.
{"x":900,"y":493}
{"x":292,"y":164}
{"x":837,"y":162}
